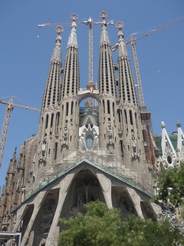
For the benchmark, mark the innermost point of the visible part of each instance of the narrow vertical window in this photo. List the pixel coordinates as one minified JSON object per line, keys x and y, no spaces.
{"x":52,"y":117}
{"x":125,"y":115}
{"x":103,"y":107}
{"x":46,"y":122}
{"x":57,"y":122}
{"x":121,"y":144}
{"x":72,"y":108}
{"x":136,"y":120}
{"x":130,"y":114}
{"x":108,"y":106}
{"x":67,"y":109}
{"x":119,"y":114}
{"x":55,"y":154}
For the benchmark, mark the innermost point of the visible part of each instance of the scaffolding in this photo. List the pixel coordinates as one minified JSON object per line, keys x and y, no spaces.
{"x":148,"y":137}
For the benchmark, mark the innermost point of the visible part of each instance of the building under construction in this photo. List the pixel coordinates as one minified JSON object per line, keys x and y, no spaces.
{"x":82,"y":154}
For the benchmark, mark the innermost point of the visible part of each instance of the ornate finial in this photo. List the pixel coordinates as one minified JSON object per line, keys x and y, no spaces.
{"x":59,"y":30}
{"x":103,"y":15}
{"x":162,"y":124}
{"x":178,"y":124}
{"x":74,"y":17}
{"x":120,"y":25}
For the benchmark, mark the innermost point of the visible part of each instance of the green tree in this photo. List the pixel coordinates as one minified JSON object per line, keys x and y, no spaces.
{"x":104,"y":227}
{"x":171,"y":186}
{"x":100,"y":226}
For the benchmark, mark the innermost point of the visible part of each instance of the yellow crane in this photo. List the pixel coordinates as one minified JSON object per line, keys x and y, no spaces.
{"x":90,"y":23}
{"x":10,"y":106}
{"x":134,"y":54}
{"x":145,"y":116}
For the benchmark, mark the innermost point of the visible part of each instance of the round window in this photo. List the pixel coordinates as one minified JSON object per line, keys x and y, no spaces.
{"x":89,"y":142}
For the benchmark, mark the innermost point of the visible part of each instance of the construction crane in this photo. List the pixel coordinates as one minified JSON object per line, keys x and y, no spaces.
{"x":145,"y":116}
{"x":135,"y":60}
{"x":90,"y":23}
{"x":10,"y":106}
{"x":134,"y":54}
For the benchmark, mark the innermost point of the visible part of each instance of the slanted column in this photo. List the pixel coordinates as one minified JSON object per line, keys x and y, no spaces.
{"x":106,"y":188}
{"x":64,"y":185}
{"x":136,"y":200}
{"x":37,"y":204}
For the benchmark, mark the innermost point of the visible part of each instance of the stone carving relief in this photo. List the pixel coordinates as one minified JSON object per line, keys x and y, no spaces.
{"x":65,"y":136}
{"x":48,"y":214}
{"x":134,"y":151}
{"x":125,"y":207}
{"x":86,"y":131}
{"x":110,"y":138}
{"x":82,"y":198}
{"x":42,"y":153}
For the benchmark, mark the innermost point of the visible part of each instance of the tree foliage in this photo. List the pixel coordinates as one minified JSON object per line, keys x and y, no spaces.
{"x":171,"y":186}
{"x":102,"y":226}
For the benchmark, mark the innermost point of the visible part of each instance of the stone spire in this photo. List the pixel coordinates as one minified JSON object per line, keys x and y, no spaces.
{"x":106,"y":73}
{"x":50,"y":114}
{"x":107,"y":92}
{"x":130,"y":127}
{"x":51,"y":94}
{"x":69,"y":94}
{"x":72,"y":42}
{"x":126,"y":89}
{"x":71,"y":79}
{"x":12,"y":165}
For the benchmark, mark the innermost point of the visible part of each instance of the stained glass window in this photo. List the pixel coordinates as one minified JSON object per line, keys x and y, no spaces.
{"x":89,"y":142}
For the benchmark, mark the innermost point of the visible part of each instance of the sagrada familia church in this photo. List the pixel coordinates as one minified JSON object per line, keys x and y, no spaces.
{"x":81,"y":155}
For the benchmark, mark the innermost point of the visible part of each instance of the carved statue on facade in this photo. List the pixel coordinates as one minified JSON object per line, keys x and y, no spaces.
{"x":48,"y":214}
{"x":65,"y":136}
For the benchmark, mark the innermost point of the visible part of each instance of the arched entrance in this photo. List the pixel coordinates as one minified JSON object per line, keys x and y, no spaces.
{"x":122,"y":200}
{"x":85,"y":188}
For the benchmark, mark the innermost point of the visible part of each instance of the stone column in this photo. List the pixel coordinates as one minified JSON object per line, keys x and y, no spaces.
{"x":64,"y":185}
{"x":136,"y":200}
{"x":106,"y":188}
{"x":20,"y":213}
{"x":37,"y":204}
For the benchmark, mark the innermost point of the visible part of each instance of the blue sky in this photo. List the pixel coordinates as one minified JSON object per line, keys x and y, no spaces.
{"x":25,"y":53}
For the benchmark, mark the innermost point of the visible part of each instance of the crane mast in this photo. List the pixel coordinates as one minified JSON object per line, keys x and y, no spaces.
{"x":145,"y":116}
{"x":5,"y":129}
{"x":134,"y":54}
{"x":91,"y":85}
{"x":6,"y":123}
{"x":138,"y":77}
{"x":90,"y":22}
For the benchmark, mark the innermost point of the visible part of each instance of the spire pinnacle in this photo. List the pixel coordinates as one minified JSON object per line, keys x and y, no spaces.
{"x":120,"y":25}
{"x":103,"y":15}
{"x":178,"y":124}
{"x":122,"y":51}
{"x":74,"y":17}
{"x":59,"y":30}
{"x":73,"y":37}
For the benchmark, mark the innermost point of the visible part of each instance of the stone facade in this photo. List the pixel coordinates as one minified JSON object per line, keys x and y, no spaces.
{"x":79,"y":155}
